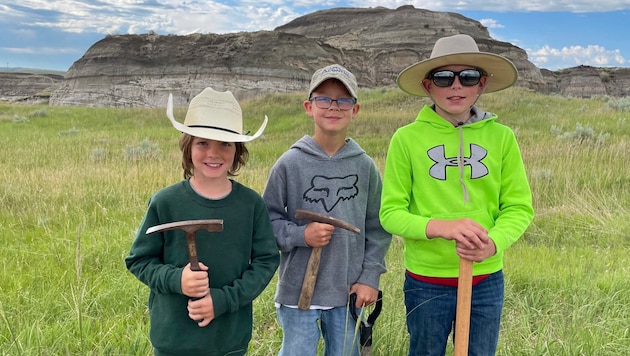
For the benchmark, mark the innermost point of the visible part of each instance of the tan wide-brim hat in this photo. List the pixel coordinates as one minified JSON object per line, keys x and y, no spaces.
{"x":459,"y":50}
{"x":214,"y":115}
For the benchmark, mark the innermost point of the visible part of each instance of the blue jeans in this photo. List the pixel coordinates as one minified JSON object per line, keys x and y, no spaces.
{"x":431,"y":316}
{"x":301,"y":331}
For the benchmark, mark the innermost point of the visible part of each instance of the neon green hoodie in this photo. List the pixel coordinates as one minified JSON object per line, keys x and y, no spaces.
{"x":422,"y":181}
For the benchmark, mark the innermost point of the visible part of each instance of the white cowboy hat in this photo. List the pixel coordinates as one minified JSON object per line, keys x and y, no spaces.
{"x":214,"y":115}
{"x":459,"y":50}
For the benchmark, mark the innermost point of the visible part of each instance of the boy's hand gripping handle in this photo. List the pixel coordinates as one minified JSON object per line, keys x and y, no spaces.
{"x":312,"y":268}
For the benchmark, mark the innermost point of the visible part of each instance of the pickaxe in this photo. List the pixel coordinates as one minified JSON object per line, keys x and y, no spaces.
{"x":190,"y":227}
{"x":462,"y":313}
{"x":312,"y":268}
{"x":366,"y":325}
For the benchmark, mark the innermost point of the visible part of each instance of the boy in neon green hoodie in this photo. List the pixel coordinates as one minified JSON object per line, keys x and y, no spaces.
{"x":455,"y":187}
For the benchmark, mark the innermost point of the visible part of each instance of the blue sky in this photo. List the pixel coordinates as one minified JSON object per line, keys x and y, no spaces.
{"x":52,"y":35}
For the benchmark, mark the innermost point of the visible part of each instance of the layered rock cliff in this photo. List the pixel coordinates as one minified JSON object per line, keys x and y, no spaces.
{"x":29,"y":87}
{"x":586,"y":82}
{"x":374,"y":43}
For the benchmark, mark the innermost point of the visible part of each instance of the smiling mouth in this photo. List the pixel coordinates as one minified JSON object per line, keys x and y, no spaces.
{"x":214,"y":165}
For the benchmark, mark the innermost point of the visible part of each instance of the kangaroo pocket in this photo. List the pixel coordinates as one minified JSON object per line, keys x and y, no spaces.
{"x":437,"y":257}
{"x":482,"y":217}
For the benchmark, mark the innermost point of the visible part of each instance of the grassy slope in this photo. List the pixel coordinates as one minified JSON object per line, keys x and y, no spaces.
{"x":74,"y":184}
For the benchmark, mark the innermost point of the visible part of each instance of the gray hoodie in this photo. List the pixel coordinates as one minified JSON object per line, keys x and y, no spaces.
{"x":346,"y":186}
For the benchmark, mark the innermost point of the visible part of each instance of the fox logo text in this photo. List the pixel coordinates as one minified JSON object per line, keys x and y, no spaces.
{"x":331,"y":190}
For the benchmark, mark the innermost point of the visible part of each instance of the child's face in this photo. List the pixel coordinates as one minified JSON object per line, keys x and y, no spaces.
{"x":334,"y":119}
{"x":212,"y":159}
{"x":456,"y":99}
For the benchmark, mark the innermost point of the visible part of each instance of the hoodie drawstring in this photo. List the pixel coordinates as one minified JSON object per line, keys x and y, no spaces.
{"x":460,"y":161}
{"x":460,"y":152}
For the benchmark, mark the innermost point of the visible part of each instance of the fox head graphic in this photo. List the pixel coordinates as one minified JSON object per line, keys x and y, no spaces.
{"x":331,"y":190}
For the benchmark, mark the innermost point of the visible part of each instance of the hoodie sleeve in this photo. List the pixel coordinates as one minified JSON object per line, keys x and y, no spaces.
{"x":288,"y":234}
{"x":377,"y":240}
{"x":515,"y":205}
{"x":395,"y":213}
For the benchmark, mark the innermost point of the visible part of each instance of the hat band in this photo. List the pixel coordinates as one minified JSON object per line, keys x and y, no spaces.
{"x":214,"y":128}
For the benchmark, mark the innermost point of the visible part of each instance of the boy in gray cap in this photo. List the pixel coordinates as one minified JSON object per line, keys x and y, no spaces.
{"x":329,"y":174}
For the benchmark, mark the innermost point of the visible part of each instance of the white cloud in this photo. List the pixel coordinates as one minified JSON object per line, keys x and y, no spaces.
{"x":266,"y":18}
{"x":501,"y":5}
{"x":24,"y":34}
{"x":204,"y":18}
{"x":39,"y":50}
{"x":491,"y":23}
{"x":593,"y":55}
{"x":185,"y":16}
{"x":70,"y":7}
{"x":87,"y":18}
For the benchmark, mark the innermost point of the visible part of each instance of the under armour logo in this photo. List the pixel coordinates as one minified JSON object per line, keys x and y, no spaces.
{"x":477,"y":168}
{"x":330,"y":191}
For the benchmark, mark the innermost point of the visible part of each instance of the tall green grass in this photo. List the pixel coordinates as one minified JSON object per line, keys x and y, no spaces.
{"x":74,"y":183}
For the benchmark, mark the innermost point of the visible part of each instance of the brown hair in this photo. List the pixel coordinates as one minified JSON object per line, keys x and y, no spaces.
{"x":185,"y":145}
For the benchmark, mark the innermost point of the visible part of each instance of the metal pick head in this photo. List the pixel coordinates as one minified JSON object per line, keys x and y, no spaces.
{"x":212,"y":225}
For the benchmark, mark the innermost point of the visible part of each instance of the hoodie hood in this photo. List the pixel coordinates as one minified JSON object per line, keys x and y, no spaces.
{"x":308,"y":146}
{"x":429,"y":115}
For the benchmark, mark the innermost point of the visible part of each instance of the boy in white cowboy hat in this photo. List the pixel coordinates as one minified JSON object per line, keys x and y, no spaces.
{"x":239,"y":261}
{"x":330,"y":174}
{"x":454,"y":187}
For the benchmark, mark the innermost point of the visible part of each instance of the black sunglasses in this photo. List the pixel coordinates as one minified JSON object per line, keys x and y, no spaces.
{"x":445,"y":78}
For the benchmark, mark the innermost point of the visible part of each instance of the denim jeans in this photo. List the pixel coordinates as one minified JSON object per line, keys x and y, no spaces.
{"x":301,"y":331}
{"x":431,"y":316}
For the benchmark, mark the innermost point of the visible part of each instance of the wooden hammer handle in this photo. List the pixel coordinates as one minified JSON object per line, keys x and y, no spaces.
{"x":191,"y":241}
{"x":312,"y":268}
{"x":310,"y":278}
{"x":462,"y":316}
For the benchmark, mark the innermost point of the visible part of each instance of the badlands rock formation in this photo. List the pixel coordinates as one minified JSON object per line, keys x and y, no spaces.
{"x":374,"y":43}
{"x":28,"y":87}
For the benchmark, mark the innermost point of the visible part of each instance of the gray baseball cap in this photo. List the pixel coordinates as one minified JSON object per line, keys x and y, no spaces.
{"x":334,"y":71}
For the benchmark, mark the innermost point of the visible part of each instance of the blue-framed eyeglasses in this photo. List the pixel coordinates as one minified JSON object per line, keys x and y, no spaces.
{"x":445,"y":78}
{"x":324,"y":102}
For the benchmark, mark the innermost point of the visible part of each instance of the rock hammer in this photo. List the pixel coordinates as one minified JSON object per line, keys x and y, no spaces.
{"x":312,"y":268}
{"x":190,"y":227}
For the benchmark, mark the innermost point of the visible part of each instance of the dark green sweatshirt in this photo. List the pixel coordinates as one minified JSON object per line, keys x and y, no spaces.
{"x":241,"y":259}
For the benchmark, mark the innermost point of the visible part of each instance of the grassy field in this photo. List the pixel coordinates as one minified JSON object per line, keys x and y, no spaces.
{"x":74,"y":183}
